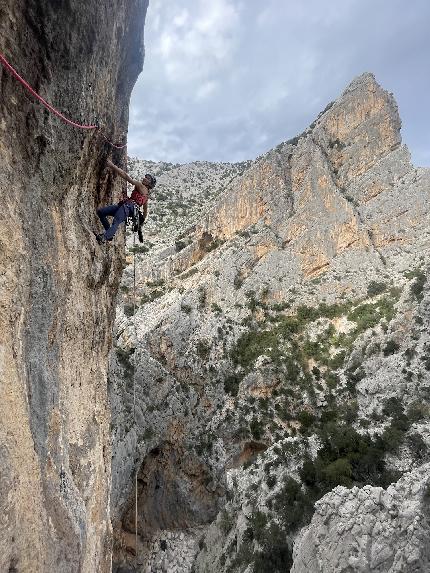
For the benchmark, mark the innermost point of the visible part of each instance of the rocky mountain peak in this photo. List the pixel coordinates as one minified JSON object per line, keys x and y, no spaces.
{"x":359,"y":128}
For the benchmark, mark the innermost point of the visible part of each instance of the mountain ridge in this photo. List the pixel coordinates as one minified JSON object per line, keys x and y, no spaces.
{"x":276,"y":330}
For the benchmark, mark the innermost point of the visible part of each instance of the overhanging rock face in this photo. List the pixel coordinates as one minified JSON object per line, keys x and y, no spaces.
{"x":57,"y":287}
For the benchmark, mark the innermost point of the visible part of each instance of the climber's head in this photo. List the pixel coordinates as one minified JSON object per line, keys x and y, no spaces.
{"x":149,"y":181}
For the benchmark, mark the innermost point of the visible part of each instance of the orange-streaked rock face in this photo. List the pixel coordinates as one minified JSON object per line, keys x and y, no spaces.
{"x":308,"y":193}
{"x":58,"y":288}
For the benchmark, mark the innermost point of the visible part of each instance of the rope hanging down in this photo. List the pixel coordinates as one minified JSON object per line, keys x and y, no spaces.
{"x":134,"y":395}
{"x":49,"y":107}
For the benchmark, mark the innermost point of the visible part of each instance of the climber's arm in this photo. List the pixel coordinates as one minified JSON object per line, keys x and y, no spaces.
{"x":122,"y":173}
{"x":145,"y":211}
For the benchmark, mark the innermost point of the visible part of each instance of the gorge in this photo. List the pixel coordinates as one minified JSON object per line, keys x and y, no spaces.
{"x":281,"y":350}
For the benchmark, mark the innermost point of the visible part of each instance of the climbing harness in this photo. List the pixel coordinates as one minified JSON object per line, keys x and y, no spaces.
{"x":52,"y":109}
{"x":133,"y":218}
{"x":136,"y":220}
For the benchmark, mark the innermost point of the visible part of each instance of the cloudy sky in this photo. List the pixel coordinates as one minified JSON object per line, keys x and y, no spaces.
{"x":226,"y":80}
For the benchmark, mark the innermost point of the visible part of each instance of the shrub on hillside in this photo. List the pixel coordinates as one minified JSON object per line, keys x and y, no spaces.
{"x":391,"y":347}
{"x":374,"y":288}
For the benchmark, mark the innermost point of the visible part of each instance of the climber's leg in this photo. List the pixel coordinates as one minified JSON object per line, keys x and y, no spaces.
{"x":120,"y":216}
{"x":108,"y":211}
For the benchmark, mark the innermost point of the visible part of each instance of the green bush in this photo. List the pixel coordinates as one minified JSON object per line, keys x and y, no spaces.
{"x":332,"y":380}
{"x":180,"y":245}
{"x":393,"y":407}
{"x":257,"y":429}
{"x":153,"y":295}
{"x":316,"y":372}
{"x":139,"y":249}
{"x":337,"y":360}
{"x":205,"y":445}
{"x":418,"y":411}
{"x":328,"y":415}
{"x":155,"y":284}
{"x":362,"y":460}
{"x":283,"y":409}
{"x":365,"y":315}
{"x":226,"y":522}
{"x":192,"y":271}
{"x":186,"y":308}
{"x":308,"y":473}
{"x":257,"y":522}
{"x":238,"y":281}
{"x":129,"y":309}
{"x":253,"y":344}
{"x":418,"y":447}
{"x":148,"y":433}
{"x":417,"y":287}
{"x":306,"y":419}
{"x":368,"y":315}
{"x":271,"y":481}
{"x":374,"y":288}
{"x":124,"y":359}
{"x":391,"y":347}
{"x":288,"y":325}
{"x":202,"y":297}
{"x":293,"y":506}
{"x":216,"y":308}
{"x":338,"y":472}
{"x":391,"y":439}
{"x":274,"y":554}
{"x":280,"y":306}
{"x":306,"y":313}
{"x":231,"y":384}
{"x":203,"y":349}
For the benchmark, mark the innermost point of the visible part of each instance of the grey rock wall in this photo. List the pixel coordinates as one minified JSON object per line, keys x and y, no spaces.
{"x":58,"y":288}
{"x":369,"y":529}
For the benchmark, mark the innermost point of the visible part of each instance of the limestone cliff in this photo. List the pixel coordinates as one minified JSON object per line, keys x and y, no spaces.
{"x":369,"y":529}
{"x":281,"y":349}
{"x":57,"y":287}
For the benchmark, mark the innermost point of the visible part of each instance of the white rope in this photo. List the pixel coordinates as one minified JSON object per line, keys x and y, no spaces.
{"x":134,"y":388}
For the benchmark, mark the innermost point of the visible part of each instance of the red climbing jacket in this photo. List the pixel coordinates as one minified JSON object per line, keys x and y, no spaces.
{"x":138,"y":197}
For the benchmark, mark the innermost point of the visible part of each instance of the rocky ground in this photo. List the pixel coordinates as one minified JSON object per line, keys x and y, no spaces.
{"x":281,"y":357}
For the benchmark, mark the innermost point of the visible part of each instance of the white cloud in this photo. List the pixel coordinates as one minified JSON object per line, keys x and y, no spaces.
{"x":181,"y":19}
{"x":228,"y":79}
{"x":206,"y":89}
{"x":194,"y":48}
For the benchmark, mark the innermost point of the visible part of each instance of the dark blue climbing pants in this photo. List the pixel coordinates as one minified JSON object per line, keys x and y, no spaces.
{"x":119,"y":212}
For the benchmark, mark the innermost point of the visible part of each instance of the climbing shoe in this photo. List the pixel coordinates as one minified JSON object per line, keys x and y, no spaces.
{"x":101,"y":238}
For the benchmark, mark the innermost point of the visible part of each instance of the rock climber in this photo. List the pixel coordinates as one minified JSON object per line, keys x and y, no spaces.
{"x":128,"y":207}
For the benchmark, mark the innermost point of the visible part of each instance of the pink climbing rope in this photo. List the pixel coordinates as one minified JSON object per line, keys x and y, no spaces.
{"x":49,"y":106}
